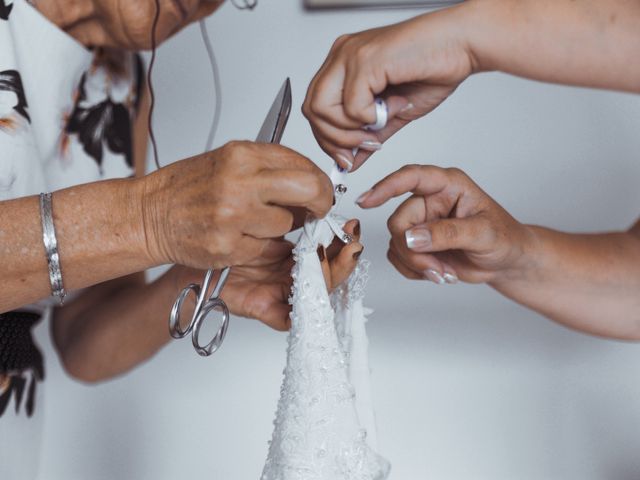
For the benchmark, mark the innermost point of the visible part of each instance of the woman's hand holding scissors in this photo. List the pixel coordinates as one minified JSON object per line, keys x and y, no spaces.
{"x":230,"y":206}
{"x":262,"y":291}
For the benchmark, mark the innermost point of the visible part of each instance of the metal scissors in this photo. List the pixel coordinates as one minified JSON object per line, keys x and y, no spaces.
{"x":270,"y":132}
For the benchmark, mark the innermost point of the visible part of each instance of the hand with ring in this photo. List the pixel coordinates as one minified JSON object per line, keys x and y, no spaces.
{"x":413,"y":66}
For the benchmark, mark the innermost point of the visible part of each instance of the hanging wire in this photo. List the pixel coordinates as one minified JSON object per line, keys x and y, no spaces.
{"x":152,"y":95}
{"x":215,"y":71}
{"x":216,"y":85}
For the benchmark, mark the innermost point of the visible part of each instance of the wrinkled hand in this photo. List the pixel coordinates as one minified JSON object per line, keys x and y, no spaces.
{"x":415,"y":65}
{"x":262,"y":292}
{"x":228,"y":206}
{"x":448,"y":229}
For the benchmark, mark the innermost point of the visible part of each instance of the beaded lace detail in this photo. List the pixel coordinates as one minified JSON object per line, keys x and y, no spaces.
{"x":318,"y":431}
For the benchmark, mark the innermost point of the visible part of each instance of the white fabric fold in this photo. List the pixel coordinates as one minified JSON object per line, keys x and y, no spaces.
{"x":324,"y":427}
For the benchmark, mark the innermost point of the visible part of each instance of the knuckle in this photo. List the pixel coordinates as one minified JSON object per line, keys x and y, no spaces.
{"x":456,"y":174}
{"x":223,"y":247}
{"x":392,"y":224}
{"x":236,"y":148}
{"x":315,"y":106}
{"x":224,"y":214}
{"x":351,"y":109}
{"x":339,"y":42}
{"x":364,"y":53}
{"x":412,"y":169}
{"x":306,"y":109}
{"x":450,"y":231}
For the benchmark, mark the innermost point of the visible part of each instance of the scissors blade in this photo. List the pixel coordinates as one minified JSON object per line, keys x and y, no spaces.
{"x":276,"y":120}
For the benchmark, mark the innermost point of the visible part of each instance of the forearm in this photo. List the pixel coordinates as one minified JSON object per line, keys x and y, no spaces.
{"x":589,"y":283}
{"x":110,"y":332}
{"x":100,"y":237}
{"x":590,"y":43}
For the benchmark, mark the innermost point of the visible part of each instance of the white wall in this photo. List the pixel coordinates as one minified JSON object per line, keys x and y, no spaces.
{"x":467,"y":384}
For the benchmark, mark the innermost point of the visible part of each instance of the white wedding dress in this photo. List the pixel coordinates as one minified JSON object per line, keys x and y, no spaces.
{"x":324,"y":427}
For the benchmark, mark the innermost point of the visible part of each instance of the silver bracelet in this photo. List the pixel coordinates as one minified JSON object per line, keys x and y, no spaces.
{"x":51,"y":247}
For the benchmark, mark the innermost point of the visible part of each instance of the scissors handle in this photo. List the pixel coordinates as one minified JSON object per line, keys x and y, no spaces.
{"x":212,"y":305}
{"x":175,"y":329}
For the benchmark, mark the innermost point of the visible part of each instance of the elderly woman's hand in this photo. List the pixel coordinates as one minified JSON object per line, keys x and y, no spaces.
{"x":230,"y":206}
{"x":414,"y":65}
{"x":449,"y":229}
{"x":262,"y":291}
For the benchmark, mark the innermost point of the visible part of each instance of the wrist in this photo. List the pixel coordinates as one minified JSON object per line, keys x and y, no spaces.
{"x":149,"y":195}
{"x":131,"y":200}
{"x":482,"y":21}
{"x":524,"y":262}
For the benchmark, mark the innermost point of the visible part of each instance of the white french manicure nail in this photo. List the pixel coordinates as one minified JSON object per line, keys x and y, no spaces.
{"x":434,"y":276}
{"x":407,"y":107}
{"x":418,"y":238}
{"x":345,"y":160}
{"x":370,"y":146}
{"x":450,"y":278}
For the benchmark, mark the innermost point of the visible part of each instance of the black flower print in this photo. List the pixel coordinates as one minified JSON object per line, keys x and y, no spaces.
{"x":98,"y":119}
{"x":12,"y":99}
{"x":5,"y":10}
{"x":21,"y":364}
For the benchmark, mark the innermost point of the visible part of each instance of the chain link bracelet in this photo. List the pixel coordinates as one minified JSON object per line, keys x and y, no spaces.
{"x":51,"y":247}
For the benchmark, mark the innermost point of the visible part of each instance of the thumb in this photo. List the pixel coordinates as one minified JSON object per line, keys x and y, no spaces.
{"x":473,"y":234}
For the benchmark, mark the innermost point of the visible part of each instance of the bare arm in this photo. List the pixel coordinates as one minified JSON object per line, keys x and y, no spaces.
{"x":450,"y":229}
{"x":578,"y":42}
{"x":97,"y":224}
{"x":586,"y":282}
{"x":417,"y":64}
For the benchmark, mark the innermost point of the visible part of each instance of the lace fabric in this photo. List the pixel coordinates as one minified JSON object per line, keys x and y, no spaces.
{"x":324,"y":426}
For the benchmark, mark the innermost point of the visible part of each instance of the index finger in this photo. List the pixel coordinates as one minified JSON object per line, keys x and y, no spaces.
{"x":312,"y":190}
{"x":417,"y":179}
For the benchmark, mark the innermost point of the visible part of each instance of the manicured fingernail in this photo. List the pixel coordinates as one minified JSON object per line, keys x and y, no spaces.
{"x":434,"y":276}
{"x":356,"y":229}
{"x":363,"y":197}
{"x":343,"y":158}
{"x":450,"y":278}
{"x":370,"y":145}
{"x":356,"y":255}
{"x":407,"y":107}
{"x":418,"y":238}
{"x":321,"y":254}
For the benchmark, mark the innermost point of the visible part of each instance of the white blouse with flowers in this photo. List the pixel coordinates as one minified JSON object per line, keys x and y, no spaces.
{"x":66,"y":116}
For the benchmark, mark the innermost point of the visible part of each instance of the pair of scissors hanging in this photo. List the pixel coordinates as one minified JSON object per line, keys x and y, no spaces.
{"x":211,"y":305}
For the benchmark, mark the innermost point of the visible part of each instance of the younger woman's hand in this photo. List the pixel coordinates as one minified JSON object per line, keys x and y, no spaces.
{"x":415,"y":65}
{"x":449,"y":229}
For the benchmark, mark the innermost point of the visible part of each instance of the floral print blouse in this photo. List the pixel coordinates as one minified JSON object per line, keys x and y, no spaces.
{"x":66,"y":118}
